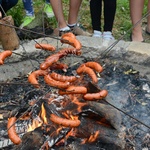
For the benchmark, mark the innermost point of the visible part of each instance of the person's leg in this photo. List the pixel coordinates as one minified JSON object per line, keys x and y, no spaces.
{"x":30,"y":16}
{"x":136,"y":8}
{"x":109,"y":14}
{"x":73,"y":18}
{"x":6,"y":5}
{"x":28,"y":6}
{"x":73,"y":11}
{"x":148,"y":18}
{"x":96,"y":10}
{"x":58,"y":11}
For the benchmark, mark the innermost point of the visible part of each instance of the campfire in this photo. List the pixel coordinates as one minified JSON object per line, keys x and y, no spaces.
{"x":70,"y":111}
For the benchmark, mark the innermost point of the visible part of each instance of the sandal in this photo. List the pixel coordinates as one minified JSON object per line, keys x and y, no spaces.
{"x":63,"y":32}
{"x":57,"y":32}
{"x":147,"y":32}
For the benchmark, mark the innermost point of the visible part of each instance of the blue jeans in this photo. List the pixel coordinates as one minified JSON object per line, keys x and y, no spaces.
{"x":28,"y":6}
{"x":6,"y":5}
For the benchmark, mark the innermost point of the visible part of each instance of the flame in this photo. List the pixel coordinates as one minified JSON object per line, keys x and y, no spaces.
{"x":39,"y":120}
{"x":72,"y":132}
{"x":74,"y":117}
{"x":77,"y":102}
{"x":92,"y":138}
{"x":68,"y":115}
{"x":43,"y":114}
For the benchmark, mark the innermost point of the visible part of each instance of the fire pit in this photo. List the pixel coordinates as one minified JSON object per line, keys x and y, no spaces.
{"x":59,"y":116}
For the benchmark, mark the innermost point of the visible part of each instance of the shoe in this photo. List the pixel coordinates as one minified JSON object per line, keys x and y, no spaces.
{"x":63,"y":32}
{"x":26,"y":21}
{"x":57,"y":32}
{"x":77,"y":30}
{"x":146,"y":31}
{"x":97,"y":34}
{"x":108,"y":36}
{"x":48,"y":10}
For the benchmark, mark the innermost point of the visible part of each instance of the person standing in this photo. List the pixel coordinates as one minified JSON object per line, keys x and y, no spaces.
{"x":136,"y":9}
{"x":109,"y":15}
{"x":72,"y":24}
{"x":30,"y":15}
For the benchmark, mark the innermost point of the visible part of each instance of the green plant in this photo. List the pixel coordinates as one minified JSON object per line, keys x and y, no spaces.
{"x":122,"y":21}
{"x":17,"y":13}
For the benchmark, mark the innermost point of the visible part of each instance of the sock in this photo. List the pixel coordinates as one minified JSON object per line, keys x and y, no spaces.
{"x":72,"y":25}
{"x":64,"y":29}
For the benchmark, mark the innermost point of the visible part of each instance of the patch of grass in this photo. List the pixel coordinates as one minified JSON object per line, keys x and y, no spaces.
{"x":122,"y":22}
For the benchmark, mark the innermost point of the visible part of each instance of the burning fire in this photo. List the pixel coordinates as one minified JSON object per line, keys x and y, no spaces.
{"x":39,"y":120}
{"x":63,"y":113}
{"x":43,"y":114}
{"x":93,"y":137}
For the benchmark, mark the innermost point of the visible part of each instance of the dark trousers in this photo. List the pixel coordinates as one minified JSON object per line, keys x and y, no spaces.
{"x":6,"y":5}
{"x":109,"y":14}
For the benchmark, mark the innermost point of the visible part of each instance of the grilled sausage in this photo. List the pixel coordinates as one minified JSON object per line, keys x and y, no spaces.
{"x":13,"y":136}
{"x":54,"y":83}
{"x":45,"y":46}
{"x":4,"y":55}
{"x":63,"y":121}
{"x":96,"y":96}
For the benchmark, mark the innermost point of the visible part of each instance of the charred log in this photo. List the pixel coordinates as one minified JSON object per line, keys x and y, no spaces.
{"x":109,"y":113}
{"x":106,"y":135}
{"x":31,"y":140}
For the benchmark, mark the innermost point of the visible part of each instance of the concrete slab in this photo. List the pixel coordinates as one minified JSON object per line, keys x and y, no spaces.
{"x":19,"y":63}
{"x":143,"y":48}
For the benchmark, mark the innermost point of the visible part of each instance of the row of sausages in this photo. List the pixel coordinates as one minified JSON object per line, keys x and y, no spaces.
{"x":65,"y":84}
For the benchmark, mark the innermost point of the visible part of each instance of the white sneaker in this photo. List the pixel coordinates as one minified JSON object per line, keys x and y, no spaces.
{"x":108,"y":36}
{"x":97,"y":34}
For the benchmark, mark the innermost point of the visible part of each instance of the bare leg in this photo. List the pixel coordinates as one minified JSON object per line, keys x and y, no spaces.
{"x":73,"y":11}
{"x":136,"y":8}
{"x":58,"y":11}
{"x":0,"y":14}
{"x":148,"y":18}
